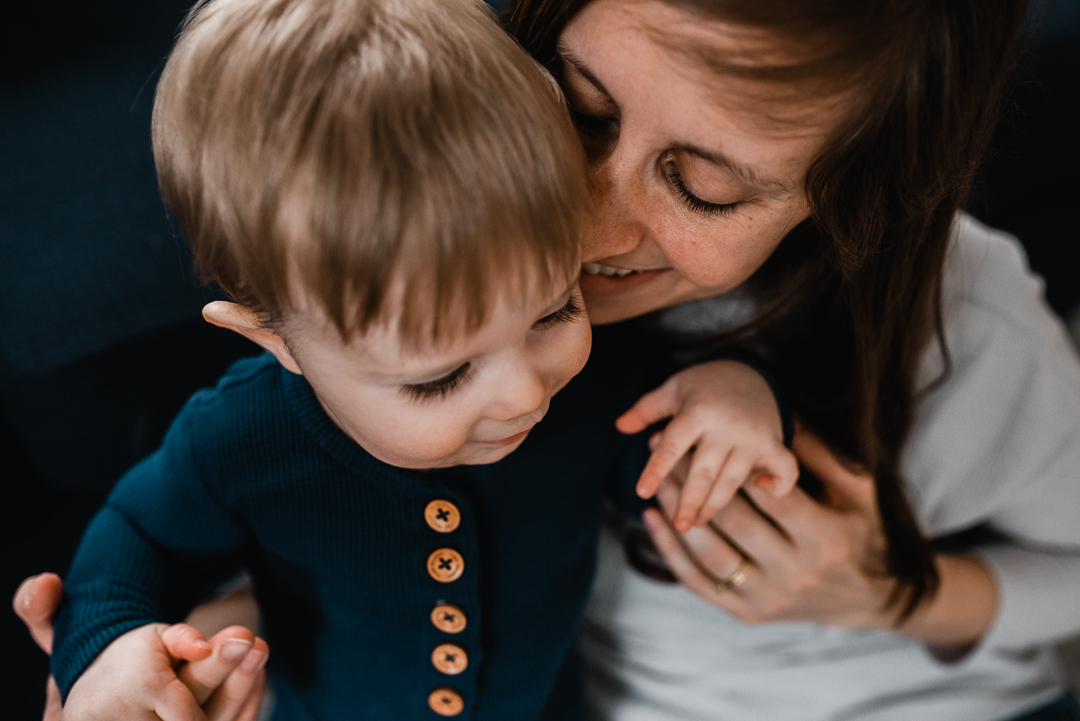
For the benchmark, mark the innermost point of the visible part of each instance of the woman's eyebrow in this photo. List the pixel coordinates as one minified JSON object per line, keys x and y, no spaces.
{"x":583,"y":70}
{"x":745,"y":172}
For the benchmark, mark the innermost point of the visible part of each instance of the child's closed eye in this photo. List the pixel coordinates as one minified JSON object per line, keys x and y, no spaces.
{"x":571,"y":311}
{"x":438,"y":388}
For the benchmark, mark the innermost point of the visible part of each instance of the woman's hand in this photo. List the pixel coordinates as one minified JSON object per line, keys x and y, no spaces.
{"x":224,"y":675}
{"x":726,"y":424}
{"x":792,"y":558}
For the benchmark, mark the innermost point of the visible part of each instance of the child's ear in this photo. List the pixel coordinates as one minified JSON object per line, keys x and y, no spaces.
{"x":242,"y":320}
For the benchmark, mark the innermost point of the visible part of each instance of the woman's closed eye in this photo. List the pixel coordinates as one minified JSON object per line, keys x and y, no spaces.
{"x":438,"y":388}
{"x":571,"y":311}
{"x":598,"y":133}
{"x":691,"y":201}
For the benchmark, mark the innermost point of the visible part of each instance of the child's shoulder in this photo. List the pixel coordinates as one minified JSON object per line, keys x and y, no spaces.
{"x":248,"y":396}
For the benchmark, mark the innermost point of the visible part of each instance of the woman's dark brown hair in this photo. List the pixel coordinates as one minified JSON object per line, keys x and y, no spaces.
{"x":852,"y":298}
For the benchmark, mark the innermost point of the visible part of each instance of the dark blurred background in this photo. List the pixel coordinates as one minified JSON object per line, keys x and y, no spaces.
{"x":101,"y":338}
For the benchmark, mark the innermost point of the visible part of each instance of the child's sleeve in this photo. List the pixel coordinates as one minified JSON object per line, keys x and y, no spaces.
{"x":161,"y":542}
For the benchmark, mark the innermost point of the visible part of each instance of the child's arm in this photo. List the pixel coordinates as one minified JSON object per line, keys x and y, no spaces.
{"x":227,"y":685}
{"x":161,"y":542}
{"x":727,"y":422}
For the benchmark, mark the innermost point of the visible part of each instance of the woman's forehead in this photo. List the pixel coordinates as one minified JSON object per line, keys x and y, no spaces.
{"x":750,"y":74}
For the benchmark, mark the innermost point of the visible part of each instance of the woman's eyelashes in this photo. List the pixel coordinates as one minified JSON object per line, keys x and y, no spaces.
{"x":571,"y":311}
{"x":440,"y":387}
{"x":691,"y":201}
{"x":598,"y":134}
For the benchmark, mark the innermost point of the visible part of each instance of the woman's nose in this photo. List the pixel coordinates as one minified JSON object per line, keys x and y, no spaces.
{"x":615,"y":226}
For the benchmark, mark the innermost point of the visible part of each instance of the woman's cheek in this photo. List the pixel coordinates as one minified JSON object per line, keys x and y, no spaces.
{"x":726,"y":252}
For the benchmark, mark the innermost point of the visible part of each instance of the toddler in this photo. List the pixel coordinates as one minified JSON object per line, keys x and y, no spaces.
{"x":391,"y":192}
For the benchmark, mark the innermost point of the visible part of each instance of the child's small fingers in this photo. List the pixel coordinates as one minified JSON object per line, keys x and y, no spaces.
{"x":735,"y":473}
{"x":674,"y":443}
{"x":185,"y":642}
{"x":720,"y":495}
{"x":654,"y":406}
{"x":778,"y":472}
{"x":704,"y":469}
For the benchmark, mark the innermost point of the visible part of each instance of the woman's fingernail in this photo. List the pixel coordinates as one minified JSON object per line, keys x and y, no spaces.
{"x":201,"y":643}
{"x":253,"y":661}
{"x":235,"y":649}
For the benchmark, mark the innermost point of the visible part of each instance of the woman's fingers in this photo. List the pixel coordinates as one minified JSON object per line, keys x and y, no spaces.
{"x":755,"y":535}
{"x":709,"y":551}
{"x":845,"y":487}
{"x":35,"y":603}
{"x":734,"y":474}
{"x":654,"y":406}
{"x":174,"y":702}
{"x":701,"y":485}
{"x":675,"y":556}
{"x":230,"y":648}
{"x":238,"y":698}
{"x":250,"y":710}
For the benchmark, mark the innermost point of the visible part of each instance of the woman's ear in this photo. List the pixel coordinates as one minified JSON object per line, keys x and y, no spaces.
{"x":244,"y":321}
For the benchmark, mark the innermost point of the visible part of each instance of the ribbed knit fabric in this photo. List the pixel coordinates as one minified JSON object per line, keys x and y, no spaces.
{"x":254,"y":474}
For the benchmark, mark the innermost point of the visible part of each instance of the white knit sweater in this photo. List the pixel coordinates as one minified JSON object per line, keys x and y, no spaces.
{"x":998,"y":442}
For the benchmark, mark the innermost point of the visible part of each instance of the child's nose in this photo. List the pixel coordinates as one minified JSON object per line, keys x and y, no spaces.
{"x":523,"y":394}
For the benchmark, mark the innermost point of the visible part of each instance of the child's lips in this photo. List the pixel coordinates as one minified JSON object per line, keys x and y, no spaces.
{"x":509,"y":440}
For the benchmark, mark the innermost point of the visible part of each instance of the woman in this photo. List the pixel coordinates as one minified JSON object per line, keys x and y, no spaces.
{"x":804,"y":164}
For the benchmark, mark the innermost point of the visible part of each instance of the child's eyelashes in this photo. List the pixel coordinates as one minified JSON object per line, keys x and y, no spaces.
{"x":571,"y":311}
{"x":438,"y":388}
{"x":442,"y":387}
{"x":691,"y":201}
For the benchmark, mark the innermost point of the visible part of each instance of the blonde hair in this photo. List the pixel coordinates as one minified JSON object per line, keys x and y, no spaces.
{"x":369,"y":155}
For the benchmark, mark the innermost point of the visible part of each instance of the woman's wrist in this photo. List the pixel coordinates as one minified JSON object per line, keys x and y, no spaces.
{"x":958,"y":615}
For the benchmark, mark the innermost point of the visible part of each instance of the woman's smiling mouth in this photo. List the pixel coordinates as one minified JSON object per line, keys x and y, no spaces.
{"x":599,"y":280}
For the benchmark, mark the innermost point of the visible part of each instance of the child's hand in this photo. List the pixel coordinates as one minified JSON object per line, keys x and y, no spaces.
{"x":727,"y":421}
{"x":136,"y":677}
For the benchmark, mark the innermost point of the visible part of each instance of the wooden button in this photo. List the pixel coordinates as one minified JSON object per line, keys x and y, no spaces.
{"x":448,"y":618}
{"x":450,"y":659}
{"x":445,"y":565}
{"x":446,"y":702}
{"x":442,"y":516}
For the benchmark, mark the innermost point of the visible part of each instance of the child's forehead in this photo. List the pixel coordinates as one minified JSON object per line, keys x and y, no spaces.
{"x":384,"y":350}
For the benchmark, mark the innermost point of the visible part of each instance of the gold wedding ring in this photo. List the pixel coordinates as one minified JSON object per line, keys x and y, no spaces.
{"x":735,"y":579}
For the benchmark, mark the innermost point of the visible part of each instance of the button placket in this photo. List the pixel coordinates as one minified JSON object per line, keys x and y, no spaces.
{"x":446,"y":565}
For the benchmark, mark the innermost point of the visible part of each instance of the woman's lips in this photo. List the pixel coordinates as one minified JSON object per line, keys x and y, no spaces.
{"x":598,"y":280}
